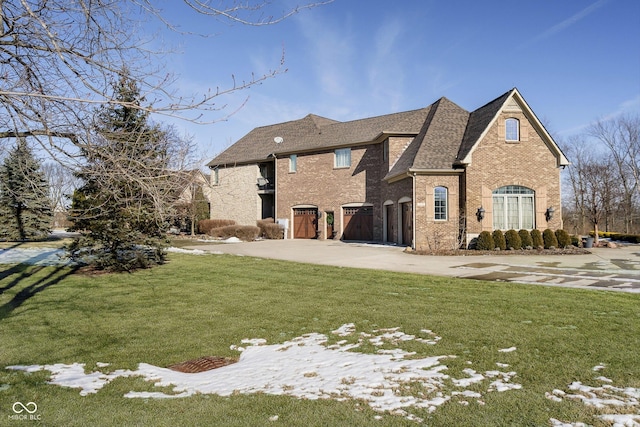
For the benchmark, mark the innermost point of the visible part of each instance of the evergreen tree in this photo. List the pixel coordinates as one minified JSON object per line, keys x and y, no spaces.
{"x":114,"y":209}
{"x":25,"y":207}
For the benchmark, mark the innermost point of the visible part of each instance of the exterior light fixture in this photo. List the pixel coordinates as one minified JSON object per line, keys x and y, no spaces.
{"x":480,"y":213}
{"x":549,"y":213}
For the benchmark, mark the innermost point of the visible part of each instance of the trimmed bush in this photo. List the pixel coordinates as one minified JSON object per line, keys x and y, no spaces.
{"x":536,"y":239}
{"x":485,"y":242}
{"x":564,"y":240}
{"x":245,"y":233}
{"x":631,"y":238}
{"x":498,"y":240}
{"x":513,"y":240}
{"x":269,"y":229}
{"x":206,"y":225}
{"x":525,"y":238}
{"x":549,"y":238}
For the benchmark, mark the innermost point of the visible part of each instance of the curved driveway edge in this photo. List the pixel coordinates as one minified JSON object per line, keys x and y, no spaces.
{"x":604,"y":269}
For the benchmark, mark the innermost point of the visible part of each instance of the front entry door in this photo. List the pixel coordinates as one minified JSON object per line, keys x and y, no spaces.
{"x":407,"y":223}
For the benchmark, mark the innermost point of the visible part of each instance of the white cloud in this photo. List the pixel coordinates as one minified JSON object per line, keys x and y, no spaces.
{"x":566,"y":23}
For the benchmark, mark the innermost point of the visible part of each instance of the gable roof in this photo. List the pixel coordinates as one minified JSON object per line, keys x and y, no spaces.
{"x":313,"y":133}
{"x":483,"y":118}
{"x":445,"y":136}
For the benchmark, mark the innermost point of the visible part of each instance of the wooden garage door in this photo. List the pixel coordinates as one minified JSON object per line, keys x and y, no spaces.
{"x":305,"y":222}
{"x":358,"y":223}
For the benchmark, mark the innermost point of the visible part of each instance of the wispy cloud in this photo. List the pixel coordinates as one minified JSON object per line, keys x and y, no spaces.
{"x":565,"y":24}
{"x":386,"y":69}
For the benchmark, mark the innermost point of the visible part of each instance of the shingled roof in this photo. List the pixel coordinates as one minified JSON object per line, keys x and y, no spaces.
{"x":445,"y":134}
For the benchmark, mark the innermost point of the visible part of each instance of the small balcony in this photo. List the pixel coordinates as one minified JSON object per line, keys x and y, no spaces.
{"x":266,"y":186}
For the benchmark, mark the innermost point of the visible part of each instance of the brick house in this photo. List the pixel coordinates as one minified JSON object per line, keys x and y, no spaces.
{"x":429,"y":178}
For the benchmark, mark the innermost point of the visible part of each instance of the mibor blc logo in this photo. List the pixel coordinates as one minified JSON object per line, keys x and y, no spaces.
{"x":24,"y":411}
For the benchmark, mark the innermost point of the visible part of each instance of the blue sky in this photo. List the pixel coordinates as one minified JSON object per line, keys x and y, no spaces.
{"x":574,"y":61}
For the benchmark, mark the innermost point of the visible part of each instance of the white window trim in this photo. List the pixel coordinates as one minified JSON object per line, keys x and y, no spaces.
{"x":293,"y":163}
{"x":506,"y":129}
{"x":446,"y":203}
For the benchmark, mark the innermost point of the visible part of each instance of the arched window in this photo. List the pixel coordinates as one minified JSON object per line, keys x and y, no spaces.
{"x":513,"y":208}
{"x":512,"y":129}
{"x":440,"y":203}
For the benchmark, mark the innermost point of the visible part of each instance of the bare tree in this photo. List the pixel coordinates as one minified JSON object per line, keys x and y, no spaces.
{"x":61,"y":185}
{"x":621,"y":136}
{"x":59,"y":58}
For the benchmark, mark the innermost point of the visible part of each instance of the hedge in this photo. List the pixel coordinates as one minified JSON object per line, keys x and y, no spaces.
{"x":564,"y":240}
{"x":206,"y":225}
{"x":485,"y":242}
{"x":269,"y":229}
{"x":536,"y":239}
{"x":513,"y":239}
{"x":549,"y":238}
{"x":525,"y":238}
{"x":498,"y":240}
{"x":631,"y":238}
{"x":245,"y":233}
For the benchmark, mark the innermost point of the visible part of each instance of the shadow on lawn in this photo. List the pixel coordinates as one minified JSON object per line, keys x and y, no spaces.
{"x":22,"y":272}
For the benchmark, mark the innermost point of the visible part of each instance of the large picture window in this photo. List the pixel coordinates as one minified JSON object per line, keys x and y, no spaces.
{"x":440,"y":203}
{"x":513,"y":208}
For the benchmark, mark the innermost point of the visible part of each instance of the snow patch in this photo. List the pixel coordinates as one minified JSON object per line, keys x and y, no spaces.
{"x":305,"y":367}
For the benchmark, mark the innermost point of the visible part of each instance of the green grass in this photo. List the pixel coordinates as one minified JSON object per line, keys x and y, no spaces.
{"x":200,"y":305}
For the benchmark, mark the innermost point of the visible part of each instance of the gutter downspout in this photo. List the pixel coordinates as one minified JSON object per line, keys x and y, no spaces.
{"x":413,"y":213}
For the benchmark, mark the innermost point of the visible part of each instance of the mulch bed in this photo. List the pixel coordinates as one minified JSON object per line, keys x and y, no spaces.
{"x":532,"y":252}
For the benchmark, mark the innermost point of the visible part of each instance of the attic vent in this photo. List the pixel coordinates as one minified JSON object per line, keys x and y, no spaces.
{"x":512,"y":106}
{"x":278,"y":139}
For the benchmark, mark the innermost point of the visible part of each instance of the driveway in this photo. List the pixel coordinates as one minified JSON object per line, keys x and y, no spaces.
{"x":605,"y":269}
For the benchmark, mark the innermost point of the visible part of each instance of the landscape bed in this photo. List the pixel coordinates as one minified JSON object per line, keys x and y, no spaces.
{"x":321,"y":346}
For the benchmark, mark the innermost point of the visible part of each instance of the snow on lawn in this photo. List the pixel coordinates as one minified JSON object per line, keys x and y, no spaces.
{"x":307,"y":367}
{"x":53,"y":256}
{"x":605,"y":397}
{"x":34,"y":256}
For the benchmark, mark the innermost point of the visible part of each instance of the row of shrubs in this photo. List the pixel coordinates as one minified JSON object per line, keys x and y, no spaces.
{"x":226,"y":228}
{"x":631,"y":238}
{"x":523,"y":239}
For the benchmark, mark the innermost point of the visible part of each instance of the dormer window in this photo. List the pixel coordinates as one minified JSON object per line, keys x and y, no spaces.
{"x":512,"y":129}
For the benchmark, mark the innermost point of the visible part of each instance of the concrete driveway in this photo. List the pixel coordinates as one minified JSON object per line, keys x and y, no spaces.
{"x":604,"y":269}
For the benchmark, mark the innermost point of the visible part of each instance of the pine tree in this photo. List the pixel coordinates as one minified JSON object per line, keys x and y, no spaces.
{"x":114,"y":209}
{"x":25,"y":207}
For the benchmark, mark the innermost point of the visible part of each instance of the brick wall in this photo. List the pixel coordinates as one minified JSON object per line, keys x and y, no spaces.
{"x":235,"y":195}
{"x":496,"y":163}
{"x":430,"y":233}
{"x":317,"y":182}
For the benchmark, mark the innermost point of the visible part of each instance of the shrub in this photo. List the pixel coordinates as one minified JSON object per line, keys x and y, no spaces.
{"x":498,"y":240}
{"x":525,"y":238}
{"x":549,"y":238}
{"x":536,"y":239}
{"x":631,"y":238}
{"x":576,"y":241}
{"x":485,"y":242}
{"x":513,"y":240}
{"x":206,"y":225}
{"x":245,"y":233}
{"x":269,"y":229}
{"x":564,"y":240}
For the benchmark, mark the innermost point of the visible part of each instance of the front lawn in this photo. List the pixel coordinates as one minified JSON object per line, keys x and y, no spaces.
{"x":500,"y":353}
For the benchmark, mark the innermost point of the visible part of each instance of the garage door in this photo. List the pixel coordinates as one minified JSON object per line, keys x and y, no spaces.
{"x":305,"y":222}
{"x":358,"y":223}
